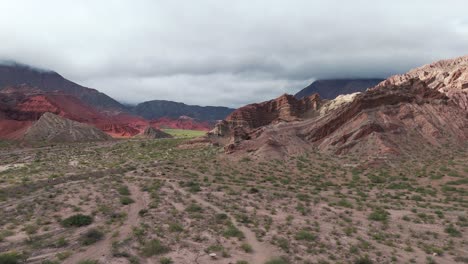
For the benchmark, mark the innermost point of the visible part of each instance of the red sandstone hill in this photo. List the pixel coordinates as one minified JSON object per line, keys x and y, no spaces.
{"x":423,"y":109}
{"x":116,"y":119}
{"x":23,"y":105}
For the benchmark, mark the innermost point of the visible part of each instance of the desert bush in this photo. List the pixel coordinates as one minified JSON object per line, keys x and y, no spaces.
{"x":305,"y":235}
{"x":154,"y":247}
{"x":247,"y":248}
{"x":193,"y":208}
{"x":11,"y":258}
{"x":363,"y":260}
{"x":232,"y":231}
{"x":88,"y":261}
{"x":91,"y":236}
{"x":77,"y":220}
{"x":277,"y":261}
{"x":123,"y":190}
{"x":166,"y":261}
{"x":125,"y":200}
{"x":452,"y":231}
{"x":379,"y":214}
{"x":175,"y":227}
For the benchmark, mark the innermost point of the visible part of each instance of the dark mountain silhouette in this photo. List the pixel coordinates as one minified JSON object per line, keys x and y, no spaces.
{"x":160,"y":108}
{"x":330,"y":89}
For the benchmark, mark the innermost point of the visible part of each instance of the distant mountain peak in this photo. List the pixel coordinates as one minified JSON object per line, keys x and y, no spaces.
{"x":12,"y":63}
{"x":331,"y":88}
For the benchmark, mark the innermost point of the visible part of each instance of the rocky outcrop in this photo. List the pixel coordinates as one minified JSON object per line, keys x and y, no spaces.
{"x":285,"y":108}
{"x":449,"y":77}
{"x":153,"y":133}
{"x":53,"y":128}
{"x":330,"y":89}
{"x":399,"y":116}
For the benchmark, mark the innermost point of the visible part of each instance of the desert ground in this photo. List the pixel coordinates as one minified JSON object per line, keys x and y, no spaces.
{"x":165,"y":201}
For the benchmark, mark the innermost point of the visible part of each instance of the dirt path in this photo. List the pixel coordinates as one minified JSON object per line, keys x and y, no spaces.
{"x":102,"y":250}
{"x":262,"y":251}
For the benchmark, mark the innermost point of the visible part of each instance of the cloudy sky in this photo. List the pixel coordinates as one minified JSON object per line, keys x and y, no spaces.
{"x":214,"y":52}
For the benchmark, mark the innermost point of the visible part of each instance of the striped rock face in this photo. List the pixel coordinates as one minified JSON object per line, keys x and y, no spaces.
{"x":406,"y":114}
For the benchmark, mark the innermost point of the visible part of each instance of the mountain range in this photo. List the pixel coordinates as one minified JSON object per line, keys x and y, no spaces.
{"x":27,"y":92}
{"x":421,"y":110}
{"x":330,"y":89}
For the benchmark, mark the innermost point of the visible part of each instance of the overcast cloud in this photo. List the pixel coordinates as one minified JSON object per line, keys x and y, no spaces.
{"x":227,"y":52}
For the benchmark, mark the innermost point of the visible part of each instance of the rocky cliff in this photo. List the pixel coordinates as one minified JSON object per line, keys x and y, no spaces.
{"x":421,"y":110}
{"x":449,"y":77}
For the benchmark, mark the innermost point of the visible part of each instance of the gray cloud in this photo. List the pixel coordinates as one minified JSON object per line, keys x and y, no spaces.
{"x":215,"y":53}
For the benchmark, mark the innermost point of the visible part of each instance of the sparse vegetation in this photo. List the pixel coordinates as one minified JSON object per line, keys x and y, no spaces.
{"x":77,"y":220}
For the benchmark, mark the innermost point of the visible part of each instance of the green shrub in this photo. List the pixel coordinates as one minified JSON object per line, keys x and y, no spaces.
{"x":379,"y":214}
{"x":232,"y":231}
{"x":305,"y":235}
{"x":154,"y":247}
{"x":77,"y":220}
{"x":91,"y":236}
{"x":193,"y":208}
{"x":125,"y":200}
{"x":363,"y":260}
{"x":175,"y":227}
{"x":61,"y":242}
{"x":247,"y":248}
{"x":123,"y":190}
{"x":166,"y":261}
{"x":50,"y":262}
{"x":11,"y":258}
{"x":88,"y":261}
{"x":277,"y":261}
{"x":452,"y":231}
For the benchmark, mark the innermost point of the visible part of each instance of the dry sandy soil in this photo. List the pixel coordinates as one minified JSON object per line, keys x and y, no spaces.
{"x":153,"y":201}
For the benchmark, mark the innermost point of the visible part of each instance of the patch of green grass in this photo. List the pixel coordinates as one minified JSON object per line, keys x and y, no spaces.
{"x":182,"y":133}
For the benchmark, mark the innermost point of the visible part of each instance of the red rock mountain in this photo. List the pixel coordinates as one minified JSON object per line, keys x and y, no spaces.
{"x":15,"y":74}
{"x":23,"y":105}
{"x":449,"y":77}
{"x":422,"y":109}
{"x":28,"y":92}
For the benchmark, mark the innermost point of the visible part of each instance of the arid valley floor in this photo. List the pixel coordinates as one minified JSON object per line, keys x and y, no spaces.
{"x":164,"y":201}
